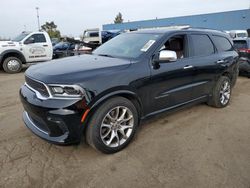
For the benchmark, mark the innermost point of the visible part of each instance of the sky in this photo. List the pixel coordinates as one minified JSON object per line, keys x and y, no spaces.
{"x":74,"y":16}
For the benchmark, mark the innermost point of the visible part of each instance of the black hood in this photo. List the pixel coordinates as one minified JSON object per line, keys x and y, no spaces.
{"x":76,"y":69}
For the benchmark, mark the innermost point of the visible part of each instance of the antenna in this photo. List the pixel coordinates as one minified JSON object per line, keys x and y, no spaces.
{"x":38,"y":21}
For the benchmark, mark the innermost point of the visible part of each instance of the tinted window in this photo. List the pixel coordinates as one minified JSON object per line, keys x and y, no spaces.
{"x":240,"y":44}
{"x":38,"y":38}
{"x":222,"y":44}
{"x":202,"y":45}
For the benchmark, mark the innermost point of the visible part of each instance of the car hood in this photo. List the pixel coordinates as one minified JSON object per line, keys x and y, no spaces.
{"x":75,"y":69}
{"x":7,"y":43}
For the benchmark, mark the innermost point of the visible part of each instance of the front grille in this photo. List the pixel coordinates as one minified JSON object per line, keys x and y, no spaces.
{"x":38,"y":86}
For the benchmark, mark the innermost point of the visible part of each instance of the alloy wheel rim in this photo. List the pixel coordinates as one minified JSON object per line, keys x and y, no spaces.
{"x":117,"y":126}
{"x":225,"y":93}
{"x":13,"y":65}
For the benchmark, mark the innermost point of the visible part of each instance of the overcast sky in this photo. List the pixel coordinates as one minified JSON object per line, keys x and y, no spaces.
{"x":73,"y":16}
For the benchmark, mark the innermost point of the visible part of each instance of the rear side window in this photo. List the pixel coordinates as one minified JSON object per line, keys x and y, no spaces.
{"x":222,"y":44}
{"x":240,"y":44}
{"x":202,"y":45}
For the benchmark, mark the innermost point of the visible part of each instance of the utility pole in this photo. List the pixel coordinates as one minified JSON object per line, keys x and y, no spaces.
{"x":38,"y":21}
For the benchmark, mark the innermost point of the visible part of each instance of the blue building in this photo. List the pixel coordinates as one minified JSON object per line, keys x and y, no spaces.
{"x":231,"y":20}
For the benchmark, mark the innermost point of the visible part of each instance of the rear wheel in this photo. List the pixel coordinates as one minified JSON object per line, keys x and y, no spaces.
{"x":12,"y":65}
{"x":221,"y":93}
{"x":113,"y":125}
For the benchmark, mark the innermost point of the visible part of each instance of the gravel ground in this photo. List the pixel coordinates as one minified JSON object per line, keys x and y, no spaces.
{"x":195,"y":147}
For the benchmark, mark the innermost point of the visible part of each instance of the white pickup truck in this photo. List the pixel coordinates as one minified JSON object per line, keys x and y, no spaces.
{"x":25,"y":48}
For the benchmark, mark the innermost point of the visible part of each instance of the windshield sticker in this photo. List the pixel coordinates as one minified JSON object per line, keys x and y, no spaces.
{"x":147,"y":45}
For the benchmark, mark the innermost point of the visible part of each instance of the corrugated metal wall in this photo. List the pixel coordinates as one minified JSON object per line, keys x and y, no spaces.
{"x":231,"y":20}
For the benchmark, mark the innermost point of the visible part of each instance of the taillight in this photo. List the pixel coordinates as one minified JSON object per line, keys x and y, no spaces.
{"x":244,"y":50}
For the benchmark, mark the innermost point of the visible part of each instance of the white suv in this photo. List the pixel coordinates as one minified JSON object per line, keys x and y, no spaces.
{"x":25,"y":48}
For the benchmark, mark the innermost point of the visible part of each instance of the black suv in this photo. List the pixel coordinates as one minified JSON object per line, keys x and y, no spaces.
{"x":133,"y":76}
{"x":243,"y":47}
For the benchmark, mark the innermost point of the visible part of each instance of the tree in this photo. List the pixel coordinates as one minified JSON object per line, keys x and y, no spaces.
{"x":118,"y":18}
{"x":50,"y":28}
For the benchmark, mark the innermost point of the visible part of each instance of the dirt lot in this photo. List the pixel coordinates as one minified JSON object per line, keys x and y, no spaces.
{"x":196,"y":147}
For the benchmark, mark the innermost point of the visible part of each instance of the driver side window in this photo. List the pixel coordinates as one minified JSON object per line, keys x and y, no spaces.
{"x":177,"y":44}
{"x":36,"y":38}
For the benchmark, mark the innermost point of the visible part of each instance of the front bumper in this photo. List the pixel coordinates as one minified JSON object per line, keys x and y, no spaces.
{"x":57,"y":121}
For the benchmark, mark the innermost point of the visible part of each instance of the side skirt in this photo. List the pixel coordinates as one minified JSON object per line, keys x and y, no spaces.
{"x":178,"y":106}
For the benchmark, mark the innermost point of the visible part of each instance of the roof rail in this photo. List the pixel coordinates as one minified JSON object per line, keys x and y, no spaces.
{"x":163,"y":27}
{"x":204,"y":28}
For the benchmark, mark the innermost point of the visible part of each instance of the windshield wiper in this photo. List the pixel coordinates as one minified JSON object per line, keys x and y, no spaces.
{"x":106,"y":55}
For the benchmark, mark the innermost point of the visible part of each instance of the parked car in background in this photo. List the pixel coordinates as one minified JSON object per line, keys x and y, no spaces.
{"x":28,"y":47}
{"x":95,"y":37}
{"x":92,"y":36}
{"x":55,"y":41}
{"x":107,"y":35}
{"x":238,"y":34}
{"x":63,"y":49}
{"x":243,"y":47}
{"x":133,"y":76}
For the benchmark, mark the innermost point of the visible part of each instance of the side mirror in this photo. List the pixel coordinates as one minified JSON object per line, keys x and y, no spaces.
{"x":167,"y":56}
{"x":30,"y":40}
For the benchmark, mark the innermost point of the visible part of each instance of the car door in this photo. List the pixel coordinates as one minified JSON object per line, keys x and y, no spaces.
{"x":36,"y":48}
{"x":211,"y":56}
{"x":204,"y":59}
{"x":171,"y":82}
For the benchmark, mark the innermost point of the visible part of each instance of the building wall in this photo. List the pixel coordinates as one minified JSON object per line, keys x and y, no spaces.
{"x":230,"y":20}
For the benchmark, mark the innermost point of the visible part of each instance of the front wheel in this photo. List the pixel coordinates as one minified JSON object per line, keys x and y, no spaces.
{"x":221,"y":93}
{"x":113,"y":125}
{"x":12,"y":65}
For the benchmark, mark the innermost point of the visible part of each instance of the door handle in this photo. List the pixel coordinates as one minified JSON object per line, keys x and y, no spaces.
{"x":220,"y":61}
{"x":45,"y":45}
{"x":188,"y":67}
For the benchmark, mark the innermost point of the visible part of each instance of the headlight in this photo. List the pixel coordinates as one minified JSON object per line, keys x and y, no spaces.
{"x":66,"y":91}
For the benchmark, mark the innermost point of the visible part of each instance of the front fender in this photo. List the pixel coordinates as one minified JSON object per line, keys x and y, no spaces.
{"x":107,"y":95}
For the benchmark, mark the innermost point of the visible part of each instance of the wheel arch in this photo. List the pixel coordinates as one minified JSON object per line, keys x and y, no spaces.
{"x":131,"y":96}
{"x":232,"y":76}
{"x":12,"y":53}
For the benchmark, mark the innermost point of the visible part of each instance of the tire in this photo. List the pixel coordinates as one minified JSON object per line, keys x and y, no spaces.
{"x":103,"y":132}
{"x":12,"y":65}
{"x":221,"y":93}
{"x":235,"y":77}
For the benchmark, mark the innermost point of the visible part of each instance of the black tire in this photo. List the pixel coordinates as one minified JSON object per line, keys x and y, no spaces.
{"x":216,"y":98}
{"x":235,"y":77}
{"x":93,"y":132}
{"x":16,"y":69}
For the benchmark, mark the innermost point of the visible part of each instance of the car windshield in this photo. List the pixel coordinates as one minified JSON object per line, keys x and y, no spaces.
{"x":128,"y":45}
{"x":20,"y":37}
{"x":240,"y":44}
